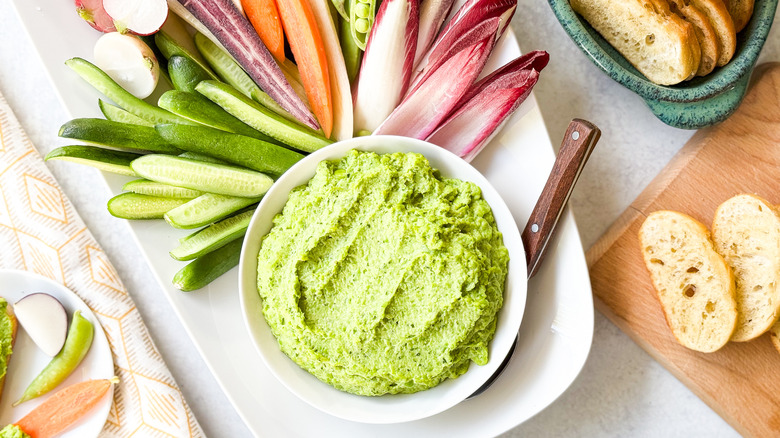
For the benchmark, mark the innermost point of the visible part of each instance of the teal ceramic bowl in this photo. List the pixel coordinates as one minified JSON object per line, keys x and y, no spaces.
{"x":693,"y":104}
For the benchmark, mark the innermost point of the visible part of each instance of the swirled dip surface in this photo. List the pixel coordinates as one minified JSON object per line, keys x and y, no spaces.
{"x":380,"y":276}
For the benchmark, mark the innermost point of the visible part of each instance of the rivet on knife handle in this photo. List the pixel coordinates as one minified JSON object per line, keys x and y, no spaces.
{"x":581,"y":136}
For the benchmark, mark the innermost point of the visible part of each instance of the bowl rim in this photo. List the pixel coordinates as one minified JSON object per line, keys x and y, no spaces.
{"x":388,"y":408}
{"x":752,"y":37}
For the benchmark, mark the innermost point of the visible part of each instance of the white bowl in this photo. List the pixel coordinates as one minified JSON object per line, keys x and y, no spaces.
{"x":387,"y":408}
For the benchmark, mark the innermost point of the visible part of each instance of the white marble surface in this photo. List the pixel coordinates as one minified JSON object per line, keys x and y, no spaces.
{"x":620,"y":392}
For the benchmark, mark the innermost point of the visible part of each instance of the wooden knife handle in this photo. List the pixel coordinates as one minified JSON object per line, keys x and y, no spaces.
{"x":581,"y":136}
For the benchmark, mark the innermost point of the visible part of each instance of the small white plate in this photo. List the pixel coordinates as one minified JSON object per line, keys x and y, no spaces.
{"x":397,"y":408}
{"x":28,"y":360}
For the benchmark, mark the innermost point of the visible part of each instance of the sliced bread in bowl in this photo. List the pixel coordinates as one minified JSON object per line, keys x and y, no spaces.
{"x":705,"y":34}
{"x":740,"y":11}
{"x":723,"y":25}
{"x":662,"y":47}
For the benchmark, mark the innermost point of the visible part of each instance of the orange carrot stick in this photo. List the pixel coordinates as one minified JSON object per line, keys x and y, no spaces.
{"x":305,"y":40}
{"x":264,"y":16}
{"x":64,"y":408}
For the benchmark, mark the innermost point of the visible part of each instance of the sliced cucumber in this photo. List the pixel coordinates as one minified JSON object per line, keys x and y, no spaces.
{"x":103,"y":83}
{"x":261,"y":118}
{"x":199,"y":109}
{"x":200,"y":157}
{"x":116,"y":114}
{"x":199,"y":175}
{"x":103,"y":159}
{"x":232,"y":73}
{"x":117,"y":134}
{"x":153,"y":188}
{"x":237,"y":149}
{"x":170,"y":47}
{"x":206,"y":209}
{"x":185,"y":73}
{"x":135,"y":206}
{"x":213,"y":237}
{"x":202,"y":271}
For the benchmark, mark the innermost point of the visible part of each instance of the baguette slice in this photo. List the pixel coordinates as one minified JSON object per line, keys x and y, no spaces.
{"x":746,"y":232}
{"x":7,"y":312}
{"x":694,"y":284}
{"x":723,"y":25}
{"x":705,"y":34}
{"x":663,"y":48}
{"x":740,"y":11}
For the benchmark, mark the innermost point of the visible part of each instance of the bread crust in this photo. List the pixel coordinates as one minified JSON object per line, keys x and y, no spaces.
{"x":693,"y":283}
{"x":774,"y":335}
{"x":724,"y":27}
{"x":740,"y":11}
{"x":705,"y":34}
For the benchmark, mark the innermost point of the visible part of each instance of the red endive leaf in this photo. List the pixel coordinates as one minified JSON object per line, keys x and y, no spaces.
{"x":424,"y":109}
{"x":487,"y":106}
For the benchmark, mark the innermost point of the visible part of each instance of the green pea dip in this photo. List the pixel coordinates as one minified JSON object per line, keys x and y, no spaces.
{"x":381,"y":276}
{"x":13,"y":431}
{"x":6,"y":337}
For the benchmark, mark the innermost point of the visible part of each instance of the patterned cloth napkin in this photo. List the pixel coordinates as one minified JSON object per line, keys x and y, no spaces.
{"x":40,"y":232}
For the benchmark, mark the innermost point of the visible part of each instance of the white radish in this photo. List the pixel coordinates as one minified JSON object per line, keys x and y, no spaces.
{"x":45,"y":321}
{"x":141,"y":17}
{"x":128,"y":61}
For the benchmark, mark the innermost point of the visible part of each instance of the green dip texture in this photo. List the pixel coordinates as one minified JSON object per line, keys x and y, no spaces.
{"x":6,"y":337}
{"x":380,"y":276}
{"x":13,"y":431}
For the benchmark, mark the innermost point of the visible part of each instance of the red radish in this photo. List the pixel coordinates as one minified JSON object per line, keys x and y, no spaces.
{"x":141,"y":17}
{"x":424,"y":108}
{"x":471,"y":23}
{"x":129,"y":62}
{"x":236,"y":34}
{"x":93,"y":13}
{"x":387,"y":64}
{"x":487,"y":106}
{"x":45,"y":321}
{"x":432,"y":16}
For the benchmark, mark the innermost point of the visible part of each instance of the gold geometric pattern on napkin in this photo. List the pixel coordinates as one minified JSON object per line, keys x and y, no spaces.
{"x":40,"y":232}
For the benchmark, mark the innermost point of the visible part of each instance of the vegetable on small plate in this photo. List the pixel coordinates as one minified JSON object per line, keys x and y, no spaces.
{"x":44,"y":319}
{"x":28,"y":360}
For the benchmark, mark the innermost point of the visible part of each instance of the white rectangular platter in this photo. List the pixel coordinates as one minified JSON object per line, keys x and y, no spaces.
{"x":557,"y":329}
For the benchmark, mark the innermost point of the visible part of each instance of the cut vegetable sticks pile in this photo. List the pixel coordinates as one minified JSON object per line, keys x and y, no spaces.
{"x":263,"y":84}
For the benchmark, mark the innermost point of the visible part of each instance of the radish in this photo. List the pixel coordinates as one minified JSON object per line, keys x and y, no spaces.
{"x":43,"y":318}
{"x":128,"y":61}
{"x":141,"y":17}
{"x":93,"y":13}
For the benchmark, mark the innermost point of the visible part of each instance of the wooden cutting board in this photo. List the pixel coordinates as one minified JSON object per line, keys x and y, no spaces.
{"x":741,"y":382}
